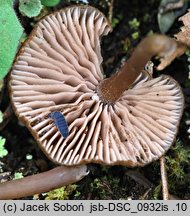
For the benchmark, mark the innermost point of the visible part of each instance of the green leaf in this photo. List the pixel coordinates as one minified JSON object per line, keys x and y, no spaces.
{"x":3,"y":151}
{"x":18,"y":175}
{"x":61,"y":193}
{"x":167,"y":18}
{"x":29,"y":157}
{"x":165,"y":21}
{"x":134,"y":23}
{"x":10,"y":33}
{"x":50,"y":3}
{"x":30,"y":8}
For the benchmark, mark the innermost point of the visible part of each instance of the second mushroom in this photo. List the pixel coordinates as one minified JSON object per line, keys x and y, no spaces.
{"x":58,"y":69}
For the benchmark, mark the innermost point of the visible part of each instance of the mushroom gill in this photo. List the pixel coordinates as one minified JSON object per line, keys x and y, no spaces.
{"x":59,"y":69}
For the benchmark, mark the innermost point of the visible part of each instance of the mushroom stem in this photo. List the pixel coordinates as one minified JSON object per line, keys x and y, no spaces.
{"x":111,"y":88}
{"x":42,"y":182}
{"x":163,"y":172}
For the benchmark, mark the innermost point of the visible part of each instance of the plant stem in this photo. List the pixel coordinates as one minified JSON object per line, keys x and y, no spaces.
{"x":163,"y":172}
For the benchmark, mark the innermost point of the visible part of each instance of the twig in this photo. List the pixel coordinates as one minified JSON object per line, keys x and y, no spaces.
{"x":163,"y":172}
{"x":110,"y":12}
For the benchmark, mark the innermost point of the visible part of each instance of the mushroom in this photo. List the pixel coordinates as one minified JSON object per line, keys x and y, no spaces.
{"x":129,"y":119}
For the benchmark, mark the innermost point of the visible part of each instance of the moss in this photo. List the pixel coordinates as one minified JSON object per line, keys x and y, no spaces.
{"x":18,"y":175}
{"x":135,"y":35}
{"x":176,"y":162}
{"x":107,"y":187}
{"x":126,"y":44}
{"x":157,"y":191}
{"x":116,"y":20}
{"x":3,"y":151}
{"x":134,"y":23}
{"x":29,"y":157}
{"x":62,"y":193}
{"x":114,"y":23}
{"x":187,"y":83}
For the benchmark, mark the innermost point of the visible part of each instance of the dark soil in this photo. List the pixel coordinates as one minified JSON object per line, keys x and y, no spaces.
{"x":104,"y":182}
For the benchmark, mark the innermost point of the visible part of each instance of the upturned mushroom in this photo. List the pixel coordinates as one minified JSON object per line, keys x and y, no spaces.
{"x":129,"y":119}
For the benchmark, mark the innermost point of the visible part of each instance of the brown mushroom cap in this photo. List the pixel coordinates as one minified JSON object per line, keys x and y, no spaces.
{"x":59,"y":69}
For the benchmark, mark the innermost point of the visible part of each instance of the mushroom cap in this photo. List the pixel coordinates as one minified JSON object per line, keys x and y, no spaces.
{"x":59,"y":69}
